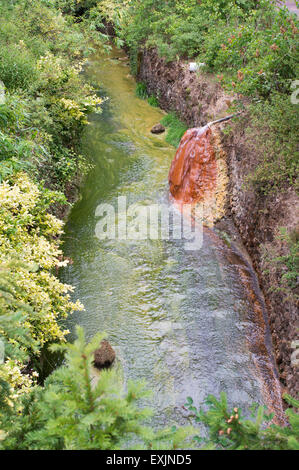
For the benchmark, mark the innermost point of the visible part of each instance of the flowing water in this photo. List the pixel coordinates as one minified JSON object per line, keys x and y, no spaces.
{"x":190,"y":323}
{"x":193,"y":172}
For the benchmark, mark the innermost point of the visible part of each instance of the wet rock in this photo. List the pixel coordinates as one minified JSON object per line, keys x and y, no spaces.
{"x":158,"y":129}
{"x":104,"y":356}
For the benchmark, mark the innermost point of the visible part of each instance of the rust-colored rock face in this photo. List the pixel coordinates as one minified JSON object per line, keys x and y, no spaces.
{"x":193,"y":172}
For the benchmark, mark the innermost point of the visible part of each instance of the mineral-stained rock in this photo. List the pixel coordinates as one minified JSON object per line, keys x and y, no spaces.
{"x":158,"y":129}
{"x":194,"y":169}
{"x":104,"y":356}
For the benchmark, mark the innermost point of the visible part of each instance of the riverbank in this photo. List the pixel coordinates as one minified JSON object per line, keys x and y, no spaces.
{"x":198,"y":98}
{"x":43,"y":113}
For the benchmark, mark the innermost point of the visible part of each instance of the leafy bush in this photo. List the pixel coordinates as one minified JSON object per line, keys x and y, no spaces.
{"x":14,"y":332}
{"x":176,"y":129}
{"x":32,"y":300}
{"x":274,"y":127}
{"x":290,"y":261}
{"x":17,"y":67}
{"x":28,"y":232}
{"x":41,"y":55}
{"x":282,"y":260}
{"x":75,"y":7}
{"x":258,"y":57}
{"x":44,"y":112}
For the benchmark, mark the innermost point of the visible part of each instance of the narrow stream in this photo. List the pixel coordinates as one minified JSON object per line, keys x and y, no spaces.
{"x":183,"y":321}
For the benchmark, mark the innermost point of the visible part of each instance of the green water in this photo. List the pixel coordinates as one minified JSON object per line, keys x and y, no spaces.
{"x":176,"y":319}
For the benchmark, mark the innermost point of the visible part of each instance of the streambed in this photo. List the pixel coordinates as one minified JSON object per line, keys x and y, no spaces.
{"x":189,"y":323}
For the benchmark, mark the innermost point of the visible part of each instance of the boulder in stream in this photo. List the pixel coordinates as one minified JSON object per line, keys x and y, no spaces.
{"x":104,"y":356}
{"x":158,"y":129}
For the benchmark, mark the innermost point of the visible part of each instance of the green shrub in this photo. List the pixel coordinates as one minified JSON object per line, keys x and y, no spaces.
{"x":251,"y":43}
{"x":14,"y":332}
{"x":41,"y":120}
{"x":290,"y":261}
{"x":229,"y":430}
{"x":274,"y":127}
{"x":17,"y":67}
{"x":31,"y":298}
{"x":75,"y":7}
{"x":41,"y":55}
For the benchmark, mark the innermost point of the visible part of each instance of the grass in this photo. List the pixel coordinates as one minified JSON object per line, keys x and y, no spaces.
{"x":152,"y":100}
{"x":141,"y":90}
{"x":175,"y":129}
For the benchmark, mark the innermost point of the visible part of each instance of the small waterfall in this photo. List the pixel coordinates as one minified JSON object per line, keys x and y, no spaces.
{"x":198,"y":174}
{"x":193,"y":172}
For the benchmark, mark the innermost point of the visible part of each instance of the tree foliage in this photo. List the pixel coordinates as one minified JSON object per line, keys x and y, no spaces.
{"x":46,"y":102}
{"x":32,"y":300}
{"x":229,"y":430}
{"x":77,"y":409}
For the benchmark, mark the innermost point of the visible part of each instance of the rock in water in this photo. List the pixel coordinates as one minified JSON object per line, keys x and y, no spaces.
{"x":158,"y":129}
{"x":104,"y":356}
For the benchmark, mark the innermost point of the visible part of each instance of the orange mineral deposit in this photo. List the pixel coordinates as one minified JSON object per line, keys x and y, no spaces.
{"x":193,"y":171}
